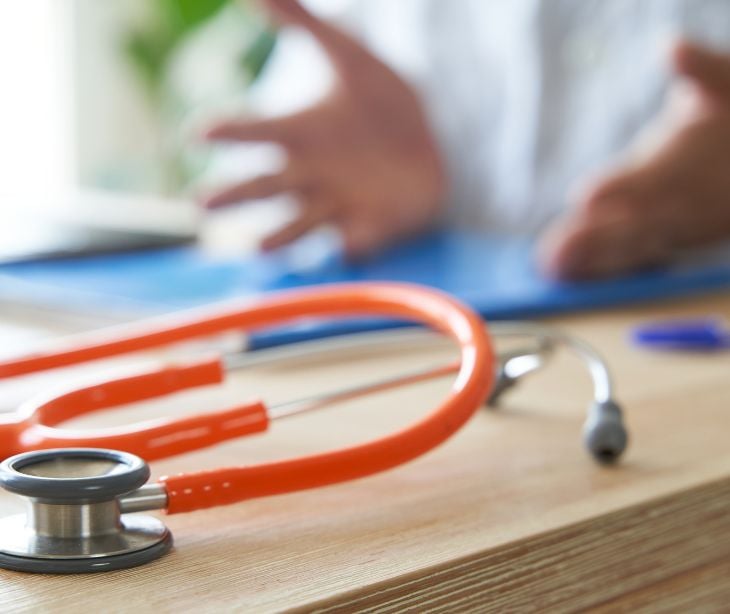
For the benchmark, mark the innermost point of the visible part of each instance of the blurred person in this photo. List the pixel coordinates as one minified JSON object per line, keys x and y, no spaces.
{"x":553,"y":117}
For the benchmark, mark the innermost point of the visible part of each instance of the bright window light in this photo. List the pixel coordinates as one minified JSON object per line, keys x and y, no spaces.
{"x":36,"y":128}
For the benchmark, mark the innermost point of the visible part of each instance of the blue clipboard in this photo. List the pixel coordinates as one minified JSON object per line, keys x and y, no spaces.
{"x":495,"y":275}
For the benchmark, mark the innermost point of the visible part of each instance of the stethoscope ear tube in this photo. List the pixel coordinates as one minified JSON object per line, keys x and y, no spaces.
{"x":604,"y":433}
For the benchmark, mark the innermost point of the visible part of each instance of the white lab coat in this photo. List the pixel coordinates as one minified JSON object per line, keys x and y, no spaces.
{"x":526,"y":97}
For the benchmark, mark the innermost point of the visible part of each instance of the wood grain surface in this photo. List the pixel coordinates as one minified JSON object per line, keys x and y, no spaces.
{"x":509,"y":515}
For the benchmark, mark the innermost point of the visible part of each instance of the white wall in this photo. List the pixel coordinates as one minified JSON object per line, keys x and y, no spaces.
{"x":36,"y":120}
{"x":117,"y":135}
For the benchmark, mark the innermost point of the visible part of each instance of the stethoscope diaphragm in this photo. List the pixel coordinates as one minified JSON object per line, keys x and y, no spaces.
{"x":74,"y":521}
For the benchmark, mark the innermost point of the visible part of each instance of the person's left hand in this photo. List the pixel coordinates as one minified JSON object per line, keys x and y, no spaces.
{"x":362,"y":159}
{"x":673,"y":195}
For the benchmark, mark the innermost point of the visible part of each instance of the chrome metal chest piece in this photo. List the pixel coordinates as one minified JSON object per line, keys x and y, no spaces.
{"x":74,"y":523}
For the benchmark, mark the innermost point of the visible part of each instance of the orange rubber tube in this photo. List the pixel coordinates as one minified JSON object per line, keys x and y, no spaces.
{"x":192,"y":491}
{"x":34,"y":427}
{"x":188,"y":492}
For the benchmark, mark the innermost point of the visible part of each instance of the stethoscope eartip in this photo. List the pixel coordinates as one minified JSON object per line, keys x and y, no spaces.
{"x":604,"y":433}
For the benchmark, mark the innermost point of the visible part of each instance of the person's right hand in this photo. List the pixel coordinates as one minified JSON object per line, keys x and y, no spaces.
{"x":668,"y":194}
{"x":362,"y":159}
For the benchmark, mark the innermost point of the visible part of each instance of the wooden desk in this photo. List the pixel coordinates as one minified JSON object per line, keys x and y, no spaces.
{"x":511,"y":514}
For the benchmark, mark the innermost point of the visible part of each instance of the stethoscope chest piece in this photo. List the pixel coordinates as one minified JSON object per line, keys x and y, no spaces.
{"x":74,"y":522}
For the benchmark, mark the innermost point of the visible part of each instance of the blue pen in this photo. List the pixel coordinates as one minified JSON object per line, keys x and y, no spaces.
{"x":701,"y":334}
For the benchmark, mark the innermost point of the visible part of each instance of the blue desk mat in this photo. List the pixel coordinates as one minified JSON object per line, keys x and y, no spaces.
{"x":493,"y":274}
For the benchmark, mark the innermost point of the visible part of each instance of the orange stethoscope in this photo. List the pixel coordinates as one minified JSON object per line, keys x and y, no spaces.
{"x":82,"y":491}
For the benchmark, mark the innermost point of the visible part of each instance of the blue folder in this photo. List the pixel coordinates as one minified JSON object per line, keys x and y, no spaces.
{"x":495,"y":275}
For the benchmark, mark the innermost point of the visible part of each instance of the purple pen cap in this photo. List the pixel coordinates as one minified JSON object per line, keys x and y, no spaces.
{"x":700,"y":334}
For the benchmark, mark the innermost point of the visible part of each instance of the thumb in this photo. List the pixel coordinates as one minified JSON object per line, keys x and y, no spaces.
{"x":347,"y":55}
{"x":708,"y":68}
{"x":603,"y":188}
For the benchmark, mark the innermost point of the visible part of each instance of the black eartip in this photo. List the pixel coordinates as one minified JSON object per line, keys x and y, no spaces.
{"x":604,"y":433}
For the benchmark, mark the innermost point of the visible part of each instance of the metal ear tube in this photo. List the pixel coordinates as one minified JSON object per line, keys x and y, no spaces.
{"x":604,"y":433}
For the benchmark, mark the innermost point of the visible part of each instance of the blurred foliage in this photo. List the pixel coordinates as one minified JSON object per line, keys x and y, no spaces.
{"x":150,"y":49}
{"x":256,"y":56}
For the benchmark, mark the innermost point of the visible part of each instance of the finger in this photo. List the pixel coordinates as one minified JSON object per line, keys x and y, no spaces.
{"x":622,"y":183}
{"x":621,"y":250}
{"x":708,"y":68}
{"x":274,"y":130}
{"x":616,"y":242}
{"x":313,"y":214}
{"x":287,"y":11}
{"x":643,"y":173}
{"x":344,"y":51}
{"x":263,"y":186}
{"x":362,"y":238}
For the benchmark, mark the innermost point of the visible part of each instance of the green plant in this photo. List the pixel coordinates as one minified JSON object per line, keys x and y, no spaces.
{"x":151,"y":48}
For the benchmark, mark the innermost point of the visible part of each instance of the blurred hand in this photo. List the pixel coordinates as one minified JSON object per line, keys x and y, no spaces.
{"x":362,"y":159}
{"x":672,"y":195}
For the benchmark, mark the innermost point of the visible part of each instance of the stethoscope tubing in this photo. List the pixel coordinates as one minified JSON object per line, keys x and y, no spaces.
{"x":182,"y":493}
{"x":210,"y":488}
